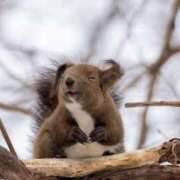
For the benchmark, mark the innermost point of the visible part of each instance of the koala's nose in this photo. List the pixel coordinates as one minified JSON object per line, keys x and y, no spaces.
{"x":70,"y":81}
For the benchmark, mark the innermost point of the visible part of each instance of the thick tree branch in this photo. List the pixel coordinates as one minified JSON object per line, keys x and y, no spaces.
{"x":13,"y":169}
{"x":169,"y":151}
{"x":137,"y":165}
{"x":151,"y":172}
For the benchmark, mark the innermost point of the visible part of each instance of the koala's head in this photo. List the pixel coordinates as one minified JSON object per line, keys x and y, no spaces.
{"x":86,"y":84}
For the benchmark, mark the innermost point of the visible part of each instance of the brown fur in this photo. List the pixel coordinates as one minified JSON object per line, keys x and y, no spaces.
{"x":58,"y":129}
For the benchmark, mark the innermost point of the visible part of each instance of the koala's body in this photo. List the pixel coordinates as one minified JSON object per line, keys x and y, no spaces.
{"x":79,"y":118}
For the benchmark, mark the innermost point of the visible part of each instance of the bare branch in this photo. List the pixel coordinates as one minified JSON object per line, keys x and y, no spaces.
{"x":13,"y":76}
{"x":153,"y":103}
{"x":7,"y":139}
{"x":133,"y":81}
{"x":15,"y":108}
{"x":144,"y":127}
{"x":154,"y":69}
{"x":171,"y":86}
{"x":83,"y":167}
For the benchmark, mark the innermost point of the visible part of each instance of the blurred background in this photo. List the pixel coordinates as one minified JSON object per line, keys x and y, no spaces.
{"x":142,"y":35}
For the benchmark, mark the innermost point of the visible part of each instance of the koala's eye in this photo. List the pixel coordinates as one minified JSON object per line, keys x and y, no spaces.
{"x":92,"y":78}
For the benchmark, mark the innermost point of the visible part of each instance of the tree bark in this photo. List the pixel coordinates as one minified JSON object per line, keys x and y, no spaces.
{"x":139,"y":165}
{"x":168,"y":151}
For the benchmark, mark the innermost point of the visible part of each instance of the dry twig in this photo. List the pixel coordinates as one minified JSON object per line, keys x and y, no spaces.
{"x":7,"y":139}
{"x":15,"y":108}
{"x":153,"y":103}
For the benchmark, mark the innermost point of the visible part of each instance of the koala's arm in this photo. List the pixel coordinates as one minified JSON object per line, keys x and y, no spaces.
{"x":114,"y":131}
{"x":51,"y":140}
{"x":108,"y":131}
{"x":46,"y":145}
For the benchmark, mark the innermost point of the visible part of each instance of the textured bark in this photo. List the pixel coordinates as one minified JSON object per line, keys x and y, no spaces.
{"x":147,"y":172}
{"x":139,"y":165}
{"x":168,"y":151}
{"x":13,"y":169}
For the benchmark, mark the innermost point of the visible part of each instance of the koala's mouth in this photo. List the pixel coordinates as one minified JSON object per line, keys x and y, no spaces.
{"x":73,"y":94}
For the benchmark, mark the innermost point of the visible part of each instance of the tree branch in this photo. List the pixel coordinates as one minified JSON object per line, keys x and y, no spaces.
{"x":153,"y":103}
{"x":144,"y":127}
{"x":7,"y":139}
{"x":139,"y":164}
{"x":169,"y":151}
{"x":155,"y":68}
{"x":152,"y":172}
{"x":9,"y":107}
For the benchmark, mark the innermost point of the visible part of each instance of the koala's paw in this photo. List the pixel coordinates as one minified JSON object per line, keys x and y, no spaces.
{"x":77,"y":135}
{"x":98,"y":134}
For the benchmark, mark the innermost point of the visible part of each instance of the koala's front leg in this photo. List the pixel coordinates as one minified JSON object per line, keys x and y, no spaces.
{"x":110,"y":133}
{"x":77,"y":135}
{"x":44,"y":146}
{"x":99,"y":134}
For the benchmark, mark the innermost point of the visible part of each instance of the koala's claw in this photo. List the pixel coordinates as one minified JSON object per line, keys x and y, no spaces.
{"x":98,"y":134}
{"x":77,"y":135}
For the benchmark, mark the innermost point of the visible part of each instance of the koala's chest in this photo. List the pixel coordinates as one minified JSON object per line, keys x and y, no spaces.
{"x":86,"y":124}
{"x":84,"y":120}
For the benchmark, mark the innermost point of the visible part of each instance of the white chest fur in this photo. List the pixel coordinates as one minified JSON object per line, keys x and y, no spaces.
{"x":86,"y":124}
{"x":83,"y":119}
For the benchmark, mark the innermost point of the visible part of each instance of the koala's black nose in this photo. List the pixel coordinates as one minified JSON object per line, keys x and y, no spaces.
{"x":69,"y":81}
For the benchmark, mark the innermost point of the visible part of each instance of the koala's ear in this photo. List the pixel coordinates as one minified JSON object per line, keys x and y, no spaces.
{"x":59,"y":73}
{"x":111,"y":75}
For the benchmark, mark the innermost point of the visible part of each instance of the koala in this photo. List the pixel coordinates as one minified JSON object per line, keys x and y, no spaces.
{"x":77,"y":114}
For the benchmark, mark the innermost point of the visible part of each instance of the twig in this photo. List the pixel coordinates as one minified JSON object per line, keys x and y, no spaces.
{"x":153,"y":103}
{"x":171,"y":86}
{"x":144,"y":127}
{"x":13,"y":76}
{"x":14,"y":108}
{"x":7,"y":139}
{"x":133,"y":81}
